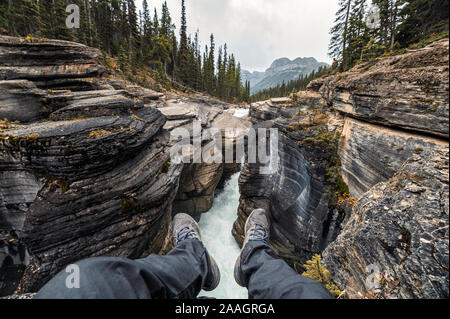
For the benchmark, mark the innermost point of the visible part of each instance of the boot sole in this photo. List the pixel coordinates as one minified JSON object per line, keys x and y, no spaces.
{"x":216,"y":271}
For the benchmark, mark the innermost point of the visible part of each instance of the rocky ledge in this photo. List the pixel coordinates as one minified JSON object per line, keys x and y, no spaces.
{"x":401,"y":228}
{"x":408,"y":91}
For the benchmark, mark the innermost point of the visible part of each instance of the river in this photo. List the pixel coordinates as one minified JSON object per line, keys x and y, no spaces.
{"x":216,"y":225}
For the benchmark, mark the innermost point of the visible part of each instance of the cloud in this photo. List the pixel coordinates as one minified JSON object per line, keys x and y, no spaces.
{"x":260,"y":31}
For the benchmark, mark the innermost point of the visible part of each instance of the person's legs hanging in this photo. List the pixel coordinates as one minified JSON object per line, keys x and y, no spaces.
{"x":181,"y":274}
{"x":268,"y":277}
{"x":265,"y":275}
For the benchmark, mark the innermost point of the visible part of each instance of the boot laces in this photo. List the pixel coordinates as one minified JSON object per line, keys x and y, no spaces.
{"x":258,"y":232}
{"x":187,"y":233}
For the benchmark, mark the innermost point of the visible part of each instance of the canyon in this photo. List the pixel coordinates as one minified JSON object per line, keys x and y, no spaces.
{"x":362,"y":179}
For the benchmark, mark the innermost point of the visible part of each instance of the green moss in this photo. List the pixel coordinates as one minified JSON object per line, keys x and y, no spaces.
{"x":64,"y":185}
{"x":166,"y":166}
{"x":322,"y":139}
{"x":127,"y":204}
{"x":334,"y":177}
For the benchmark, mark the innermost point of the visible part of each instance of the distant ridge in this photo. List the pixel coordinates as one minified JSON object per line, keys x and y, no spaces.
{"x":280,"y":70}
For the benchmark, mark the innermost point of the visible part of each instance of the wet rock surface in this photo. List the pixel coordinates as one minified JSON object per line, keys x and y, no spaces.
{"x":296,"y":195}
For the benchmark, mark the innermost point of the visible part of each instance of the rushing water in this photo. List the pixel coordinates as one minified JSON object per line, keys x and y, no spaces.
{"x":216,"y":227}
{"x":240,"y":112}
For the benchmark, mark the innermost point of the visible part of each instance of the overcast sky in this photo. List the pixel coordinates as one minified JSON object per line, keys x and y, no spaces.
{"x":260,"y":31}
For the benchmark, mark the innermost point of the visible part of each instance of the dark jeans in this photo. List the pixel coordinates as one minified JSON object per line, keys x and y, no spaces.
{"x":180,"y":275}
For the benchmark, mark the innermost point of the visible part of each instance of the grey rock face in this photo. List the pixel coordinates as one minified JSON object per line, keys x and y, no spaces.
{"x":47,"y":60}
{"x":268,"y":110}
{"x":20,"y":101}
{"x":124,"y":212}
{"x":197,"y":185}
{"x":371,"y":154}
{"x":400,"y":226}
{"x":296,"y":196}
{"x":409,"y":91}
{"x":81,"y":148}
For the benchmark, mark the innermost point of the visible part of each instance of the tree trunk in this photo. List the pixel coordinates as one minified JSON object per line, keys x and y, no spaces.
{"x":88,"y":10}
{"x":344,"y":42}
{"x":394,"y":13}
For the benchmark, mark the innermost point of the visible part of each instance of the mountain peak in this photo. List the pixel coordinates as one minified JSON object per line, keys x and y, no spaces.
{"x":280,"y":62}
{"x":282,"y":69}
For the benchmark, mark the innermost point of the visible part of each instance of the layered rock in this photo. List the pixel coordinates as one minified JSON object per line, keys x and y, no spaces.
{"x":408,"y":91}
{"x":272,"y":109}
{"x":400,"y":228}
{"x":124,"y":212}
{"x":297,"y":195}
{"x":20,"y":100}
{"x":371,"y":154}
{"x":39,"y":60}
{"x":394,"y":109}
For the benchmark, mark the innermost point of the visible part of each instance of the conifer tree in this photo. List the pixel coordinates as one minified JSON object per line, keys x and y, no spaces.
{"x":183,"y":54}
{"x":339,"y":32}
{"x":420,"y":18}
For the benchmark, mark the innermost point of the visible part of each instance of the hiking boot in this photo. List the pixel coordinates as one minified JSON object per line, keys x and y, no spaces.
{"x":184,"y":227}
{"x":257,"y":228}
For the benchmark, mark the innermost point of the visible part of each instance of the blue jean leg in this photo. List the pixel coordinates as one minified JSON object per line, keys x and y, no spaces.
{"x":178,"y":275}
{"x":269,"y":277}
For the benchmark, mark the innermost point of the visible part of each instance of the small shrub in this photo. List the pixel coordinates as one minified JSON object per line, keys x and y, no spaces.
{"x":166,"y":166}
{"x":99,"y":133}
{"x":127,"y":204}
{"x":316,"y":271}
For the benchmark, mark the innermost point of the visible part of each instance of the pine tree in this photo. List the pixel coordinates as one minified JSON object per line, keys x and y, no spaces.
{"x":183,"y":54}
{"x":167,"y":26}
{"x":4,"y":17}
{"x":156,"y":29}
{"x":358,"y":32}
{"x":83,"y":33}
{"x":220,"y":75}
{"x":134,"y":38}
{"x":421,"y":18}
{"x":339,"y":32}
{"x":53,"y":20}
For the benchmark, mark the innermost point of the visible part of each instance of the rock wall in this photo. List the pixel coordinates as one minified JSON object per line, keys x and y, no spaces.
{"x":408,"y":91}
{"x":394,"y":154}
{"x":298,"y":194}
{"x":371,"y":154}
{"x":400,"y":227}
{"x":85,"y":171}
